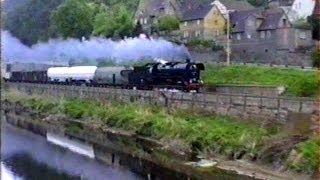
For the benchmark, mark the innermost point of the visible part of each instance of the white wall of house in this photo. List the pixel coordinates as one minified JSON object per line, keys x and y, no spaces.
{"x":302,"y":8}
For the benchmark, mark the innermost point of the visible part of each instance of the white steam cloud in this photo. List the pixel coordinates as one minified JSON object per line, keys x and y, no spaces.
{"x":62,"y":51}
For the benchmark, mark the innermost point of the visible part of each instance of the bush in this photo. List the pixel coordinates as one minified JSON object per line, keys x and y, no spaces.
{"x":168,"y":23}
{"x":204,"y":44}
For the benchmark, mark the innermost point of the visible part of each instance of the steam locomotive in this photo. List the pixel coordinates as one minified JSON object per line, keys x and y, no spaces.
{"x":170,"y":75}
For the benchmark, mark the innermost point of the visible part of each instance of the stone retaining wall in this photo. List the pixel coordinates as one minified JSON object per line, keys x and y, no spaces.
{"x":243,"y":106}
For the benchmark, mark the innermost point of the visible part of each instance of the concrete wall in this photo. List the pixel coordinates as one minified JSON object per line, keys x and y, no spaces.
{"x":276,"y":109}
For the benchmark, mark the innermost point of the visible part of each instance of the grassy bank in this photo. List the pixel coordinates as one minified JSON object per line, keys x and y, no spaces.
{"x":179,"y":129}
{"x":298,"y":82}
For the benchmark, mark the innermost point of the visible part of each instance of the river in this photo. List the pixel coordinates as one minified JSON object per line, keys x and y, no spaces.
{"x":25,"y":155}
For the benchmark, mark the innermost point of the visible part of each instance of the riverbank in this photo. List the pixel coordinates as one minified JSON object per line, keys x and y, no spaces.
{"x":183,"y":134}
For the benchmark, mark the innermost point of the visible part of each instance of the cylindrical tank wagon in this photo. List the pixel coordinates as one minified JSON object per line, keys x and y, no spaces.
{"x":76,"y":74}
{"x":117,"y":76}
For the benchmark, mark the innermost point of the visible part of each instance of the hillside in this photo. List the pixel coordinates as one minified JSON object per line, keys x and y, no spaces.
{"x":29,"y":20}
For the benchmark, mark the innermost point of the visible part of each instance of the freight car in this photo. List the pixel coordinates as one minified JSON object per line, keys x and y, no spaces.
{"x":173,"y":75}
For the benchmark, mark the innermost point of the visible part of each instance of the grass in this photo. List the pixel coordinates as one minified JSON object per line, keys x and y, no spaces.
{"x":308,"y":156}
{"x":298,"y":82}
{"x":218,"y":134}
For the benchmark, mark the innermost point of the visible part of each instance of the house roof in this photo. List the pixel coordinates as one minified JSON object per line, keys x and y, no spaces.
{"x":237,"y":5}
{"x":195,"y":14}
{"x":238,"y":18}
{"x":199,"y":11}
{"x":152,"y":7}
{"x":271,"y":19}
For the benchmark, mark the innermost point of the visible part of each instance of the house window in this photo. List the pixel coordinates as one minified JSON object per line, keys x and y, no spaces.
{"x":198,"y":22}
{"x":217,"y":32}
{"x":162,"y":10}
{"x":145,"y":20}
{"x":262,"y":34}
{"x":185,"y":34}
{"x":141,"y":21}
{"x":185,"y":23}
{"x":239,"y":36}
{"x":244,"y":51}
{"x":197,"y":34}
{"x":249,"y":36}
{"x":302,"y":35}
{"x":266,"y":50}
{"x":284,"y":22}
{"x":268,"y":34}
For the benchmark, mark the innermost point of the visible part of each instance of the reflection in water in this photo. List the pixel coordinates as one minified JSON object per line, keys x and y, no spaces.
{"x":23,"y":165}
{"x":30,"y":156}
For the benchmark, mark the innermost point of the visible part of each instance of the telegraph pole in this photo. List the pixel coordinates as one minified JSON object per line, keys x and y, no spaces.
{"x":228,"y":39}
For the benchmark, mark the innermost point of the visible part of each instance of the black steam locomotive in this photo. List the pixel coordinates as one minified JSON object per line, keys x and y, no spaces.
{"x":171,"y":75}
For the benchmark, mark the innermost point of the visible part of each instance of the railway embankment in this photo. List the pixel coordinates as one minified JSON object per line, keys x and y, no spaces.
{"x":171,"y":138}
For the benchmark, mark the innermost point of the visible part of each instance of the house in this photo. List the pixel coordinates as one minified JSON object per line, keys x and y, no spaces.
{"x":149,"y":11}
{"x":295,"y":9}
{"x":209,"y":20}
{"x":261,"y":34}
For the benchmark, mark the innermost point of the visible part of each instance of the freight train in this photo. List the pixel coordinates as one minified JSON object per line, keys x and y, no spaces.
{"x":170,"y":75}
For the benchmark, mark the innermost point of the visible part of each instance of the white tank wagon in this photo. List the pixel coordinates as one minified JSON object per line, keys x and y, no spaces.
{"x":118,"y":76}
{"x":83,"y":74}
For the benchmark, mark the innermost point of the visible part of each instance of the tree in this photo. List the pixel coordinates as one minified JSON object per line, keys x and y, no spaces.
{"x":117,"y":23}
{"x":30,"y":22}
{"x":315,"y":25}
{"x":302,"y":23}
{"x":168,"y":23}
{"x":104,"y":24}
{"x":258,"y":2}
{"x":74,"y":18}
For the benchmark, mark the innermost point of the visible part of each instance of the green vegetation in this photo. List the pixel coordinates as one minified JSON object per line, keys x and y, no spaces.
{"x":308,"y":159}
{"x":302,"y":24}
{"x":31,"y":22}
{"x":168,"y":23}
{"x":258,"y":3}
{"x":220,"y":134}
{"x":200,"y":44}
{"x":298,"y":82}
{"x":113,"y":23}
{"x":315,"y":25}
{"x":74,"y":18}
{"x":39,"y":20}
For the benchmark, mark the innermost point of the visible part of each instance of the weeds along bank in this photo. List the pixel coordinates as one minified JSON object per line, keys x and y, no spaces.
{"x":189,"y":132}
{"x":298,"y":82}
